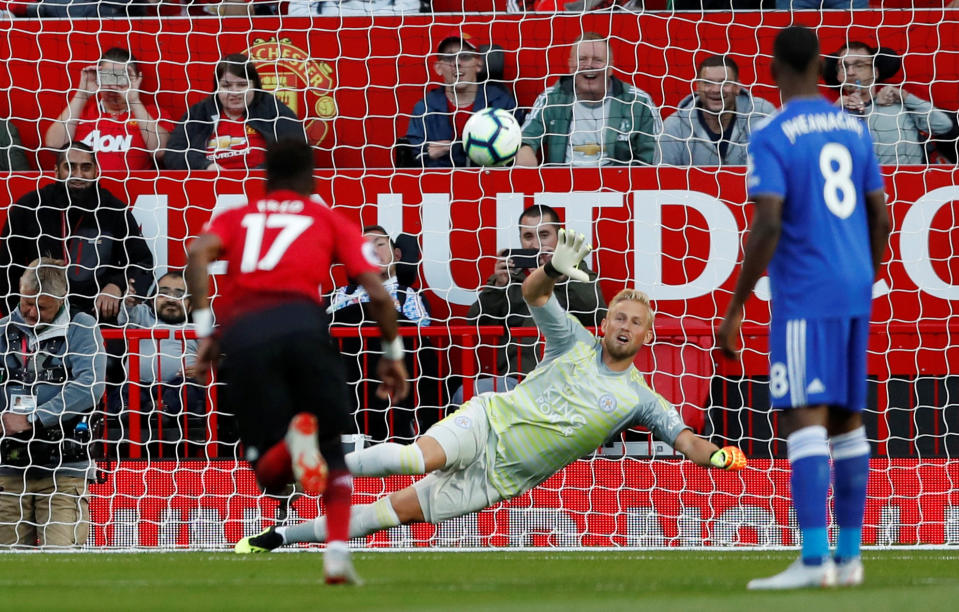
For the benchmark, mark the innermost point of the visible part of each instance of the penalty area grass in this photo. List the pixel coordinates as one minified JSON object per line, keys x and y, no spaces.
{"x":701,"y":581}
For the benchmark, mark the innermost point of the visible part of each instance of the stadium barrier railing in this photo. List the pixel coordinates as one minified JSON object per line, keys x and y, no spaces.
{"x":906,"y":414}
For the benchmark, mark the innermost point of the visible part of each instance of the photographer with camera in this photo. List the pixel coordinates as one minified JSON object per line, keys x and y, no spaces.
{"x":108,"y":112}
{"x":52,"y":378}
{"x":501,"y":300}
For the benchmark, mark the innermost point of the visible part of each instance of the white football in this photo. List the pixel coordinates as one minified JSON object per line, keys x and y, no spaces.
{"x":492,"y":137}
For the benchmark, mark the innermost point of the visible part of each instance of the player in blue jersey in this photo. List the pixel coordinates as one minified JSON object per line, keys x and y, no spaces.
{"x":820,"y":224}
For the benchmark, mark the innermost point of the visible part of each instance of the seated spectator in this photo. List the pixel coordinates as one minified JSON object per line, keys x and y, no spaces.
{"x":108,"y":112}
{"x":348,"y":307}
{"x":53,"y":365}
{"x":712,"y":126}
{"x":79,"y":220}
{"x":231,"y":128}
{"x":501,"y":300}
{"x":438,"y":121}
{"x":591,"y":118}
{"x":12,"y":157}
{"x":901,"y":124}
{"x":410,"y":306}
{"x":167,"y":364}
{"x":351,"y":8}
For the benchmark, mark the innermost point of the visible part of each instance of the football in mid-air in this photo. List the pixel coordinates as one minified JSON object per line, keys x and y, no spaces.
{"x":492,"y":137}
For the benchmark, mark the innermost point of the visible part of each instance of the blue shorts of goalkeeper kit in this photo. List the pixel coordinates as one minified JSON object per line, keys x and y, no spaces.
{"x":818,"y":361}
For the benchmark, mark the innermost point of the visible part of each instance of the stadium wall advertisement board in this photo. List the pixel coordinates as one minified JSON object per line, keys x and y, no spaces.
{"x":355,"y":84}
{"x":598,"y":503}
{"x":675,"y":233}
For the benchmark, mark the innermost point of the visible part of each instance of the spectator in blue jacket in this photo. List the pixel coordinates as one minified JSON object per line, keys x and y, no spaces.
{"x":437,"y":122}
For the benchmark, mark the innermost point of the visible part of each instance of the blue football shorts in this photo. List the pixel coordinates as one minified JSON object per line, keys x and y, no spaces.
{"x":818,"y":361}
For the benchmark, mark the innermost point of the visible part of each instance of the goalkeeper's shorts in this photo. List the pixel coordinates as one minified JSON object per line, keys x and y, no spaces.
{"x":818,"y":361}
{"x":464,"y":485}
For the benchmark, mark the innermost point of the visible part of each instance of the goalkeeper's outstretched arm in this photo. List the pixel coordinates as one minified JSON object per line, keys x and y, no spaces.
{"x":705,"y":453}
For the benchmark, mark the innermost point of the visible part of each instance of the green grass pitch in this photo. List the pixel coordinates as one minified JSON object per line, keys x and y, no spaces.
{"x":900,"y":580}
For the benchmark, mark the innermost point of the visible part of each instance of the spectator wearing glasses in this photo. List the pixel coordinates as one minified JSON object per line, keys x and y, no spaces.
{"x":436,"y":126}
{"x":712,"y":126}
{"x":167,"y":365}
{"x":230,"y":129}
{"x":901,"y":124}
{"x":109,"y":112}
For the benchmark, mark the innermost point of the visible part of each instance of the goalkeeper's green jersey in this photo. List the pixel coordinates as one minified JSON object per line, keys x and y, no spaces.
{"x":567,"y":407}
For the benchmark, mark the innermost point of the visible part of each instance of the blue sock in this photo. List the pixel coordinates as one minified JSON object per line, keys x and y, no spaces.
{"x":850,"y":455}
{"x":809,"y":458}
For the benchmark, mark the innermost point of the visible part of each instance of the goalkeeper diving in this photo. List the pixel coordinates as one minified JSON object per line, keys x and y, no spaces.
{"x":496,"y":446}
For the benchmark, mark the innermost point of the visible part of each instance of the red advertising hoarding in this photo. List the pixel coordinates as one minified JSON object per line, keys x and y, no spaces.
{"x":675,"y":233}
{"x":590,"y":503}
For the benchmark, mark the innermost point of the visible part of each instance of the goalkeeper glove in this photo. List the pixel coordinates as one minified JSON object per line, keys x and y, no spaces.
{"x":571,"y":248}
{"x":728,"y":458}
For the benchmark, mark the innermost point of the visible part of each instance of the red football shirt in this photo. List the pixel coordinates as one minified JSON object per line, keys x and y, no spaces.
{"x":280,"y":248}
{"x":116,"y":138}
{"x":234,"y":146}
{"x":460,"y":115}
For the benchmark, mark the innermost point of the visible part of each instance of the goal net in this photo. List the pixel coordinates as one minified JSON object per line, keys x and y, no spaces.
{"x":171,"y":470}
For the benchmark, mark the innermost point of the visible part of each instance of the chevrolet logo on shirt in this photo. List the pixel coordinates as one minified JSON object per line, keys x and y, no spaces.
{"x":589,"y":149}
{"x":225,"y":142}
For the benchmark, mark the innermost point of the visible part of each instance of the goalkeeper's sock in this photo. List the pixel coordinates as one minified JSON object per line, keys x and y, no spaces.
{"x":386,"y":459}
{"x":373,"y":517}
{"x":850,"y":456}
{"x":339,"y":491}
{"x":809,"y":457}
{"x":364,"y":520}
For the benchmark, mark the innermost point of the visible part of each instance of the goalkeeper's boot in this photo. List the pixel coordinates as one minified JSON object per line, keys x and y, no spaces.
{"x":798,"y":576}
{"x":338,"y":566}
{"x":309,"y":467}
{"x":849,"y":572}
{"x":265,"y":541}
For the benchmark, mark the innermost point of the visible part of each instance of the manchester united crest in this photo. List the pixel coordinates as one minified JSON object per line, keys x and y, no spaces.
{"x":305,"y":85}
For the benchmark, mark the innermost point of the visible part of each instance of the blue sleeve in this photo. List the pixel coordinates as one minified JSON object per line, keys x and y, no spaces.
{"x":86,"y":361}
{"x":416,"y":133}
{"x":873,"y":177}
{"x":766,"y":173}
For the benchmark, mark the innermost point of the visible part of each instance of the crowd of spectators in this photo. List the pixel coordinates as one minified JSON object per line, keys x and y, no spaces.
{"x":588,"y":117}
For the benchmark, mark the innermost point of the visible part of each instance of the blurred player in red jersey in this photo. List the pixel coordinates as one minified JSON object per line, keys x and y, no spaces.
{"x":283,"y":377}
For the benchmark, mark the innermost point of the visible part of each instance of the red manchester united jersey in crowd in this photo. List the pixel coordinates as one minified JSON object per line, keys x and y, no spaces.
{"x":117,"y":139}
{"x":280,"y":248}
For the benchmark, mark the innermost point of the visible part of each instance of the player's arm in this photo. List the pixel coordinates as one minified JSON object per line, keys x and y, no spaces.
{"x":703,"y":452}
{"x":878,"y":218}
{"x":391,"y":368}
{"x":760,"y":247}
{"x":205,"y":249}
{"x":571,"y":248}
